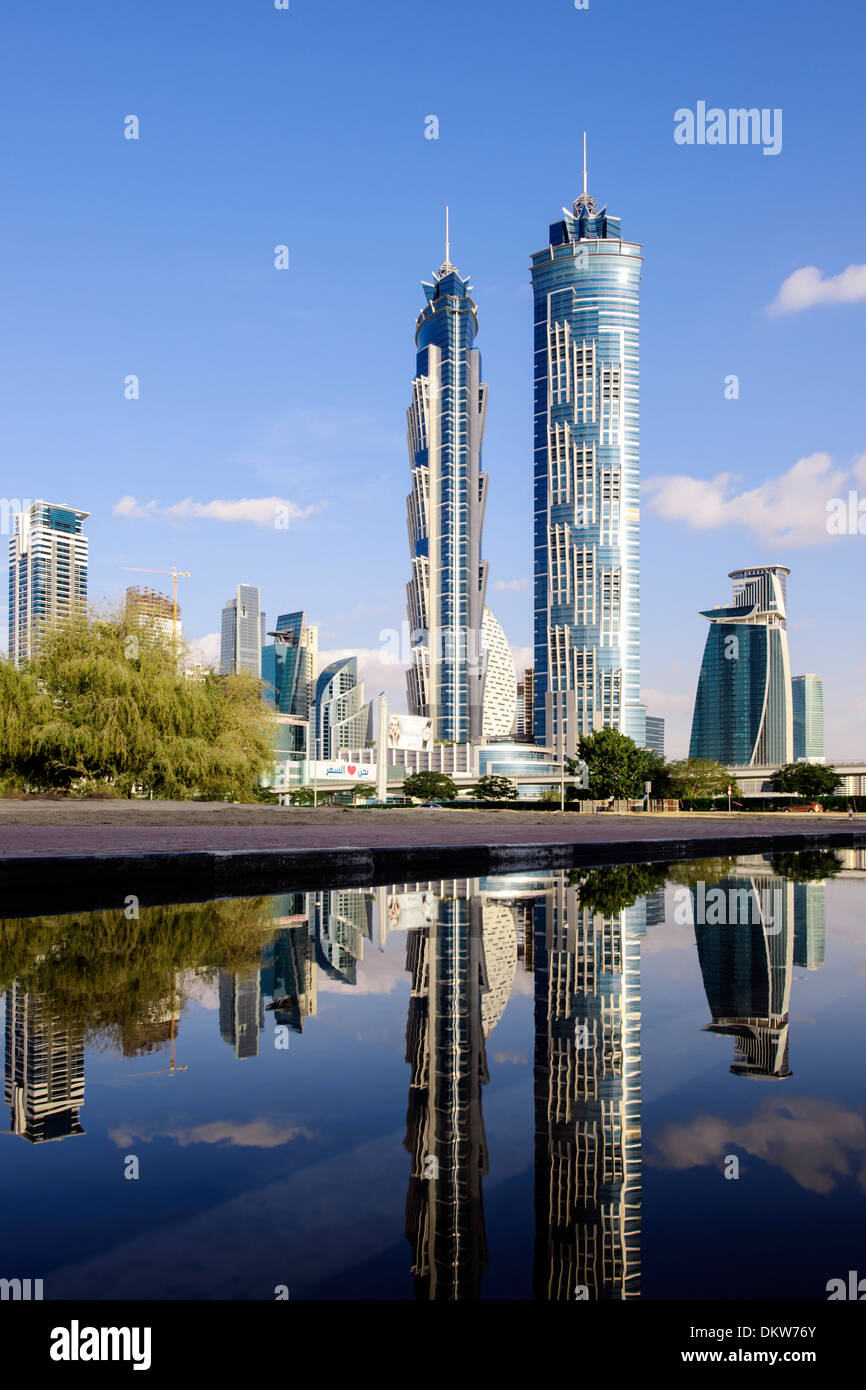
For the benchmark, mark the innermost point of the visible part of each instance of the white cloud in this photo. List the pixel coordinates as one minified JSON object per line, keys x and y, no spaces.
{"x":259,"y":511}
{"x":510,"y":585}
{"x":263,"y":1133}
{"x":790,"y":510}
{"x":809,"y":286}
{"x":205,"y":649}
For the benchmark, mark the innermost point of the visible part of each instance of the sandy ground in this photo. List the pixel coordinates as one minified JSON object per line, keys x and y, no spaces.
{"x":88,"y":827}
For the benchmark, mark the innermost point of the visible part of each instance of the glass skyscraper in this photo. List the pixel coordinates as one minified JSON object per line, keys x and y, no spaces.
{"x":290,"y":665}
{"x":808,"y":701}
{"x":446,"y":591}
{"x":243,"y":632}
{"x":743,"y":708}
{"x":587,"y":598}
{"x":342,"y":719}
{"x":47,"y":571}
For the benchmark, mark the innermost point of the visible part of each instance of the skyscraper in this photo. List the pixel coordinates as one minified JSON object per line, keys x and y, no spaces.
{"x":743,"y":708}
{"x":290,"y":665}
{"x":342,"y":719}
{"x":587,"y":598}
{"x":808,"y":703}
{"x":47,"y":571}
{"x":446,"y":591}
{"x":499,"y":702}
{"x":243,"y":632}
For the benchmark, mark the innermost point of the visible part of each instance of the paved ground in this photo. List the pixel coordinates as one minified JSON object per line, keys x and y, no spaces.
{"x":129,"y":827}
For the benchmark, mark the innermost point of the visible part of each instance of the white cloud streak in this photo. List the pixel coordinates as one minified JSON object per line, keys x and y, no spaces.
{"x":809,"y":286}
{"x":269,"y":512}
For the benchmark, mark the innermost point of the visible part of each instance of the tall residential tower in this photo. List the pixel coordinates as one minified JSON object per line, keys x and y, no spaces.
{"x":587,"y":601}
{"x":446,"y":591}
{"x":47,"y":571}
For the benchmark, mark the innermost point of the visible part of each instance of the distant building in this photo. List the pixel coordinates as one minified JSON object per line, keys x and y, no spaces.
{"x":154,"y":611}
{"x":655,"y":734}
{"x":243,"y":632}
{"x":290,"y":665}
{"x":342,"y":719}
{"x":808,"y":702}
{"x":499,"y":702}
{"x":523,"y":724}
{"x":47,"y":571}
{"x":743,"y":712}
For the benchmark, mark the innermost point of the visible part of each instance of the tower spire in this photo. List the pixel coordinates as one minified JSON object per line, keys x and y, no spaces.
{"x":446,"y":267}
{"x":584,"y":203}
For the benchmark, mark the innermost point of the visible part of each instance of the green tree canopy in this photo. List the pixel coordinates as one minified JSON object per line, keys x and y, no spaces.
{"x":492,"y":788}
{"x":806,"y":866}
{"x":610,"y":889}
{"x":806,"y":779}
{"x":104,"y":703}
{"x":430,"y":786}
{"x":617,"y":766}
{"x":692,"y":777}
{"x":107,"y":977}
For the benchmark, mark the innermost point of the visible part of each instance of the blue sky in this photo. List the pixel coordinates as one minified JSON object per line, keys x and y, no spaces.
{"x":305,"y":127}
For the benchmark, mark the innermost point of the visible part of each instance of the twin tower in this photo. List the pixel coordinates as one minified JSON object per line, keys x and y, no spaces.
{"x":586,"y":499}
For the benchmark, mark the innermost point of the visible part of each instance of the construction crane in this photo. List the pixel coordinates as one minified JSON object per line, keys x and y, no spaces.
{"x":175,"y":575}
{"x":173,"y":1067}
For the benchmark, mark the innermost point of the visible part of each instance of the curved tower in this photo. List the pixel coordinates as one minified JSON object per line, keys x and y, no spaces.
{"x":587,"y":598}
{"x":446,"y":592}
{"x":743,"y":708}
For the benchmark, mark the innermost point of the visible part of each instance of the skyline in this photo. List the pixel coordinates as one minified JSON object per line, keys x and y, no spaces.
{"x":144,"y":264}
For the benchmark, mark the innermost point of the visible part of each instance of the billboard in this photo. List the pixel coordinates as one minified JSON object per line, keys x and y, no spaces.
{"x":408,"y":911}
{"x":414,"y":731}
{"x":341,"y":772}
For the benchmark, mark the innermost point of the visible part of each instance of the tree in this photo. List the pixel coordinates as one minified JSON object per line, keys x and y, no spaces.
{"x":608,"y":891}
{"x":806,"y":866}
{"x":430,"y":786}
{"x":617,"y":767}
{"x":106,"y":705}
{"x":302,"y":796}
{"x":491,"y":788}
{"x":365,"y":792}
{"x":692,"y":777}
{"x":806,"y":779}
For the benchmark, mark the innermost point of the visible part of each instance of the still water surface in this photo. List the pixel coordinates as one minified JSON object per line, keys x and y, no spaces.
{"x":625,"y":1083}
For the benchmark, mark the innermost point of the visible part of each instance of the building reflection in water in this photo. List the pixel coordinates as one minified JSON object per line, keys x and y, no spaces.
{"x":751,"y":929}
{"x":587,"y":1098}
{"x":44,"y":1070}
{"x":464,"y":941}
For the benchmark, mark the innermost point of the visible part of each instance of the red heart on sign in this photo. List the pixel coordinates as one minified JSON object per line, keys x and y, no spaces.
{"x":351,"y":769}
